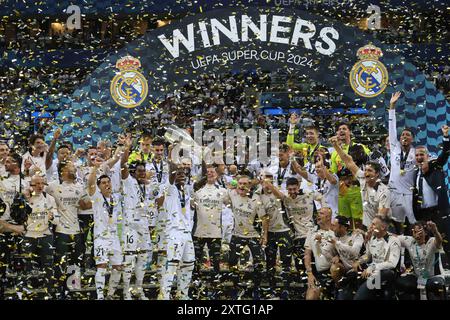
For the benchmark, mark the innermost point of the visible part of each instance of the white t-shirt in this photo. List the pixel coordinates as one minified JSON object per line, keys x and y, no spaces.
{"x":160,"y":171}
{"x":3,"y":172}
{"x":115,"y":175}
{"x":209,"y":203}
{"x":323,"y":251}
{"x":273,"y":208}
{"x":36,"y":162}
{"x":348,"y":248}
{"x":300,"y":211}
{"x":9,"y":187}
{"x":245,"y":210}
{"x":329,"y":191}
{"x":422,"y":256}
{"x":82,"y":177}
{"x":173,"y":217}
{"x":105,"y":221}
{"x":373,"y":199}
{"x":282,"y":174}
{"x":384,"y":252}
{"x":138,"y":203}
{"x":38,"y":222}
{"x":67,"y":196}
{"x":52,"y":172}
{"x":400,"y":183}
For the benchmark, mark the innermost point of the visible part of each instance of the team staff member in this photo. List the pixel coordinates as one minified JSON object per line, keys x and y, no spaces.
{"x":431,"y":201}
{"x":38,"y":239}
{"x":422,"y":250}
{"x":381,"y":258}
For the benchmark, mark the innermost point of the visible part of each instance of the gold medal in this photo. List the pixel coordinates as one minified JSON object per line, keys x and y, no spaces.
{"x":402,"y":172}
{"x":183,"y":210}
{"x":110,"y":221}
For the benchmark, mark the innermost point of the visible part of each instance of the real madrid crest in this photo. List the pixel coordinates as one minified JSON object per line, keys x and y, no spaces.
{"x":129,"y":87}
{"x":369,"y":76}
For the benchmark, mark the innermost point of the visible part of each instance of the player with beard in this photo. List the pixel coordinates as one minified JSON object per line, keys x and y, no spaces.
{"x":70,"y":196}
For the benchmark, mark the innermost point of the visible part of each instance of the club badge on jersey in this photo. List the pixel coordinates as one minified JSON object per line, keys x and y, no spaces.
{"x":369,"y":77}
{"x":129,"y":88}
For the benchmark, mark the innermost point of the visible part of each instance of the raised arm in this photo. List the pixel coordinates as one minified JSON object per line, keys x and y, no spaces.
{"x":92,"y":179}
{"x":443,"y":157}
{"x":299,"y":169}
{"x":276,"y":192}
{"x":51,"y":149}
{"x":293,"y":120}
{"x":172,"y":171}
{"x":354,"y":248}
{"x":348,"y":161}
{"x":321,"y":167}
{"x":126,"y":142}
{"x":392,"y":119}
{"x":432,"y":226}
{"x":116,"y":157}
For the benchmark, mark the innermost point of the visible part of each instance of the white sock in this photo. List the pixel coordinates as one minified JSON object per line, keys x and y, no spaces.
{"x":100,"y":282}
{"x":140,"y":270}
{"x":184,"y":277}
{"x":166,"y":281}
{"x":114,"y":280}
{"x":127,"y":272}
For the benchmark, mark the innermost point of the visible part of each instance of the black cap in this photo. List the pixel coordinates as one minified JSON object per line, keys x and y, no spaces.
{"x":343,"y":221}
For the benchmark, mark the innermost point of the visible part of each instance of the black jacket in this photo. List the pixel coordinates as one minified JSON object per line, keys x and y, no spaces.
{"x":435,"y":177}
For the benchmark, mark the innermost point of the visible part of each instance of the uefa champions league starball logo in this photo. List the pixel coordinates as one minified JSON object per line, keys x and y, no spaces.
{"x":369,"y":76}
{"x":129,"y":87}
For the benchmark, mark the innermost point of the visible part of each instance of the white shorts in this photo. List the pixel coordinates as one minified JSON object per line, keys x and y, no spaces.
{"x":401,"y":207}
{"x":180,"y":247}
{"x":136,"y":240}
{"x":108,"y":250}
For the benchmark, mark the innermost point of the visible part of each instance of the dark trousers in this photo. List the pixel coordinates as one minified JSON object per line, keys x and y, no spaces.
{"x":283,"y":241}
{"x":214,"y":246}
{"x":347,"y":286}
{"x":299,"y":254}
{"x":237,"y":245}
{"x":407,"y":288}
{"x":86,"y":226}
{"x":368,"y":291}
{"x":68,"y":251}
{"x":5,"y":260}
{"x":39,"y":252}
